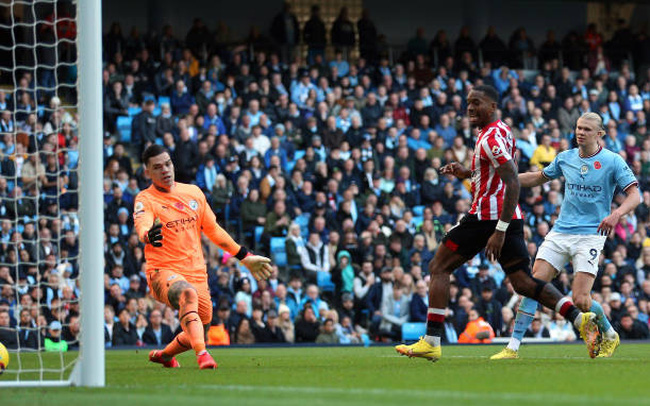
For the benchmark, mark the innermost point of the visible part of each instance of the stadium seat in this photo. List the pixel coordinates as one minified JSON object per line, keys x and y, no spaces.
{"x":418,"y":220}
{"x":134,"y":111}
{"x":298,"y":154}
{"x":163,"y":100}
{"x":124,"y":128}
{"x":303,"y":222}
{"x":280,"y":259}
{"x":413,"y":331}
{"x":325,"y":282}
{"x":418,"y":210}
{"x":277,"y":244}
{"x":258,"y":235}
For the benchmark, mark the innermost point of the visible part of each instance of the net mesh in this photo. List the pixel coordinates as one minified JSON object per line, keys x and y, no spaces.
{"x":39,"y":275}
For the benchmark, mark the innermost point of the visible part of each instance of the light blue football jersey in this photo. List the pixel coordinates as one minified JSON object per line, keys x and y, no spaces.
{"x":589,"y":188}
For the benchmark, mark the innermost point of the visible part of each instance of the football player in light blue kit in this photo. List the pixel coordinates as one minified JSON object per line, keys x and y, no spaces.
{"x":591,"y":174}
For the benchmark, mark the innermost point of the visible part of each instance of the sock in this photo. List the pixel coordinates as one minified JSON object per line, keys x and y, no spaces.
{"x":190,"y":321}
{"x":435,"y":326}
{"x":525,"y":315}
{"x":179,"y":344}
{"x":567,"y":310}
{"x":603,"y":324}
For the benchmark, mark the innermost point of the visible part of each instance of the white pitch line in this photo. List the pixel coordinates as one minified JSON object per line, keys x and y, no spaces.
{"x":419,"y":393}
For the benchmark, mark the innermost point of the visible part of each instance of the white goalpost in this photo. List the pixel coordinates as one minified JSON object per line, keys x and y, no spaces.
{"x":37,"y":365}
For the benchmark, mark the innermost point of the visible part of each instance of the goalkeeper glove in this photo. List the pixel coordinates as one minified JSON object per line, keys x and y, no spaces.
{"x":154,"y":235}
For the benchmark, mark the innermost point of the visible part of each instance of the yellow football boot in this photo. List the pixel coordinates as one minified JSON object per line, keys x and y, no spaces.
{"x":506,"y":353}
{"x":421,"y":349}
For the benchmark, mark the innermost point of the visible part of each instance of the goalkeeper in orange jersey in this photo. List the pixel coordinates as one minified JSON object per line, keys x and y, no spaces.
{"x":169,"y":218}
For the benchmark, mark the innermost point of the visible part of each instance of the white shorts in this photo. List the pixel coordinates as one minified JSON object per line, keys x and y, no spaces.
{"x":582,"y":250}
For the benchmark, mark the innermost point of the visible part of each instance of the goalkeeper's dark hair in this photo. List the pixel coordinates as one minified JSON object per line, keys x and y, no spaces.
{"x":152,"y":151}
{"x":489,"y":91}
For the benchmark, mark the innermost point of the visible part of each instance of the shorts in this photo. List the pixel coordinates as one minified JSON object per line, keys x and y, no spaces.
{"x":470,"y":236}
{"x":160,"y":281}
{"x":582,"y":250}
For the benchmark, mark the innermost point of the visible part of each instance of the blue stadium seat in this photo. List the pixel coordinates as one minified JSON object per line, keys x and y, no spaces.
{"x":298,"y":154}
{"x":124,"y":128}
{"x":325,"y":282}
{"x":280,"y":259}
{"x":418,"y":210}
{"x":303,"y":222}
{"x":164,"y":100}
{"x":413,"y":331}
{"x":258,"y":234}
{"x":418,"y":220}
{"x":277,"y":244}
{"x":134,"y":111}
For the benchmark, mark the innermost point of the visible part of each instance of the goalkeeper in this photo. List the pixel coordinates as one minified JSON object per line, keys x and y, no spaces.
{"x":169,"y":218}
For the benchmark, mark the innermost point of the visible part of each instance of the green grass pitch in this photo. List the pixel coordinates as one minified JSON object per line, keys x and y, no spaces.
{"x":544,"y":375}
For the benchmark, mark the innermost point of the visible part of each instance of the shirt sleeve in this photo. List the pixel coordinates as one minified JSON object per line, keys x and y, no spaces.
{"x":553,"y":171}
{"x":213,"y":230}
{"x":495,"y":151}
{"x":624,"y":175}
{"x":143,"y":216}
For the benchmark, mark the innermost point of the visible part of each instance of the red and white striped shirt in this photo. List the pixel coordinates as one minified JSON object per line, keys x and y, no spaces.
{"x":494,"y":147}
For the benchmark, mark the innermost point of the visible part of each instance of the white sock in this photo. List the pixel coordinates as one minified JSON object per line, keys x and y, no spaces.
{"x":514,"y":344}
{"x":201,"y":353}
{"x":578,"y":321}
{"x":432,"y":340}
{"x":610,"y":334}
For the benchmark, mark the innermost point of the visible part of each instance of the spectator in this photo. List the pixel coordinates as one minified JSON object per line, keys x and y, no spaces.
{"x":328,"y":334}
{"x":314,"y":258}
{"x":244,"y":334}
{"x":314,"y":35}
{"x":477,"y":331}
{"x":307,"y":328}
{"x":157,"y":334}
{"x":285,"y":323}
{"x":53,"y":341}
{"x":630,"y":329}
{"x":537,"y":330}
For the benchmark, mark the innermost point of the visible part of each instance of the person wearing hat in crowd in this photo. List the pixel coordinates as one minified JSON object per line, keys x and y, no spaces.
{"x":616,"y":306}
{"x":482,"y":279}
{"x":272,"y":332}
{"x":53,"y":341}
{"x":134,"y":290}
{"x":343,"y":273}
{"x":285,"y":323}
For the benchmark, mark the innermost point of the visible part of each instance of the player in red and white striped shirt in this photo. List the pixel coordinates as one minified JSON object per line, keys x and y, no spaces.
{"x":495,"y":146}
{"x":495,"y":223}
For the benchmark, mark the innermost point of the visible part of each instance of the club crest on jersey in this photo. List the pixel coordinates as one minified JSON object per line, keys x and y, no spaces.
{"x":171,"y":277}
{"x":179,"y":206}
{"x":194,"y":205}
{"x":584,"y":169}
{"x":597,"y":165}
{"x":496,"y":150}
{"x":139,"y":206}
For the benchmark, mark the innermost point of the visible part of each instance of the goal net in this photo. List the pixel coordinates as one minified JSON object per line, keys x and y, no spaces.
{"x":49,"y":291}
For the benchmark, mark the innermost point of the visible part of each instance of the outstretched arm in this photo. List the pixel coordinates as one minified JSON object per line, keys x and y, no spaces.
{"x":631,"y":201}
{"x":259,"y":266}
{"x":530,"y":179}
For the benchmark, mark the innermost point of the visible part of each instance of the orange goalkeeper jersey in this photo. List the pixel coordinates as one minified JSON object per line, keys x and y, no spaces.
{"x":184,"y":213}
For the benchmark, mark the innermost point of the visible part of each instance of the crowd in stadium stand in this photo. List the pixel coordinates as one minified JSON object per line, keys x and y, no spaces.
{"x":327,"y":165}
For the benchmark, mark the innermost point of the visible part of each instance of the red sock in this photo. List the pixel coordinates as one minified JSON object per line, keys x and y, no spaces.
{"x":190,"y":320}
{"x":179,"y":344}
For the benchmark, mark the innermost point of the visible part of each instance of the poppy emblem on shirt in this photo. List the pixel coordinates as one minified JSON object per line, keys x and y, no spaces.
{"x":194,"y":205}
{"x":597,"y":165}
{"x":139,"y":206}
{"x":496,"y":150}
{"x":584,"y":169}
{"x":179,"y":206}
